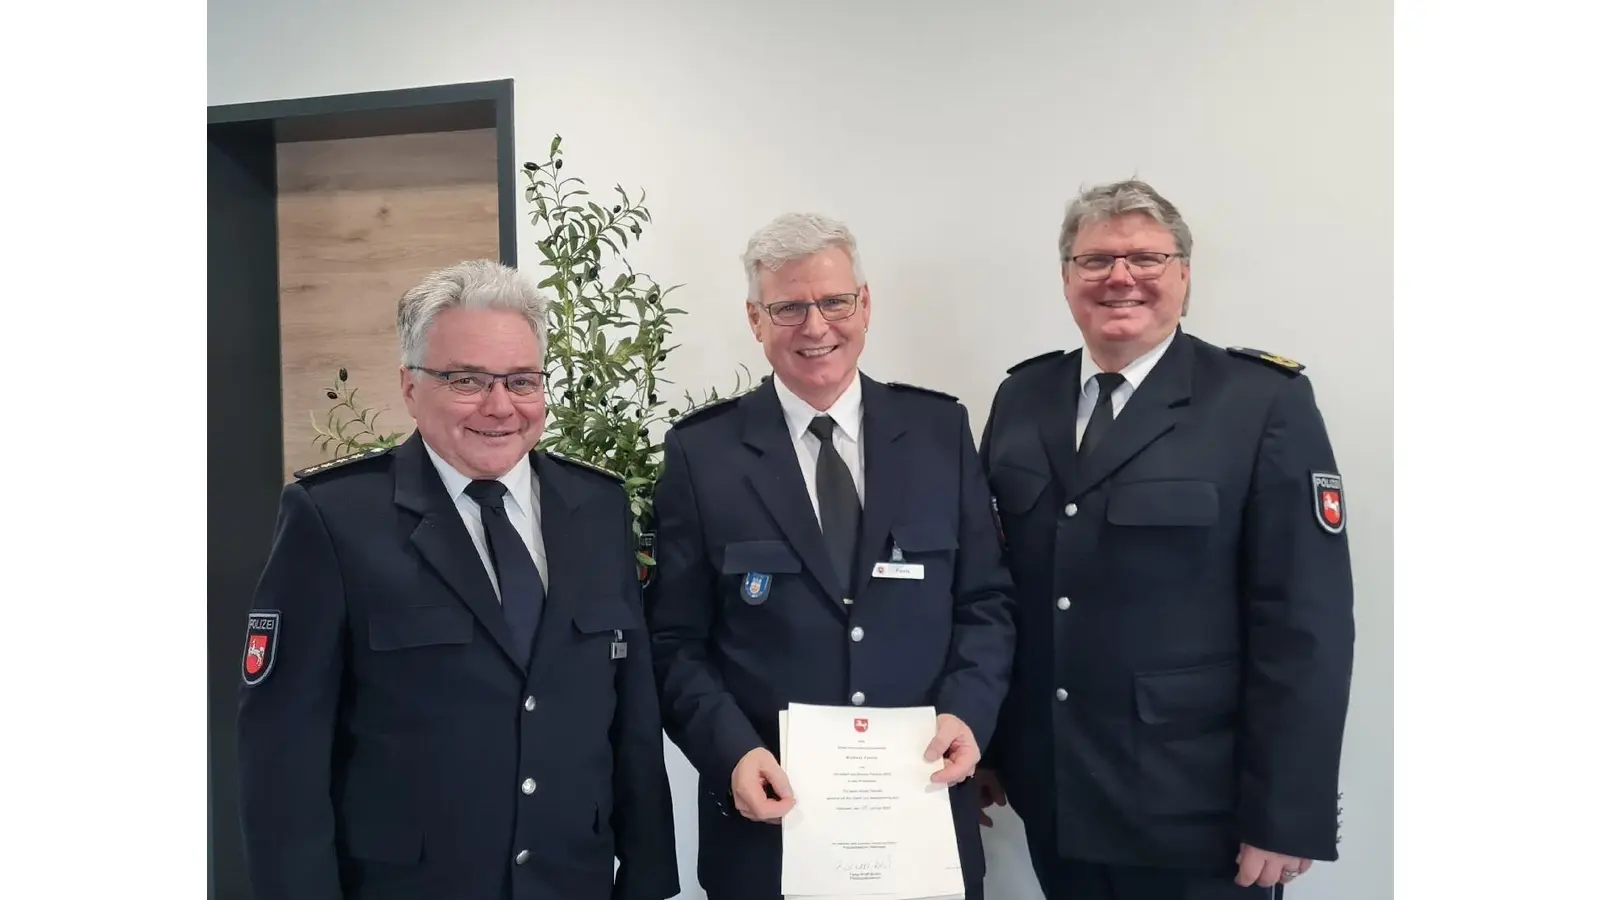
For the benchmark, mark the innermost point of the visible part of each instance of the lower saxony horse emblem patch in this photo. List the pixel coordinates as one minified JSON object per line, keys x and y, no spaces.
{"x":1327,"y":493}
{"x":260,"y":646}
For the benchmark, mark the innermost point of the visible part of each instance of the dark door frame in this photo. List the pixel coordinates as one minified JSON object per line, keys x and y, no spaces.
{"x":244,"y":427}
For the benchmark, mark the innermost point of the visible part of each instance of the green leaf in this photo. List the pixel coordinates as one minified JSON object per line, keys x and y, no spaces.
{"x":555,"y":144}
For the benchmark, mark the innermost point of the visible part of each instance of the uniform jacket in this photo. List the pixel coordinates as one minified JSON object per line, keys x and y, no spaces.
{"x":1184,"y":620}
{"x":733,"y":649}
{"x":394,"y":747}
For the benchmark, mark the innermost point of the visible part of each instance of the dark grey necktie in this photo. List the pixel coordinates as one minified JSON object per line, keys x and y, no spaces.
{"x":521,"y":591}
{"x":837,"y":501}
{"x":1100,"y":420}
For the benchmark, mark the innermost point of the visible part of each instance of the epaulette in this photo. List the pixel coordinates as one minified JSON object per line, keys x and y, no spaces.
{"x":1282,"y":362}
{"x":922,"y":390}
{"x":373,"y":453}
{"x":719,"y":403}
{"x":586,"y":464}
{"x":1031,"y":360}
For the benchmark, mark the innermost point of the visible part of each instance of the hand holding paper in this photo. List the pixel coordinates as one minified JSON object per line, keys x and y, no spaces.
{"x":754,"y":774}
{"x":954,"y":741}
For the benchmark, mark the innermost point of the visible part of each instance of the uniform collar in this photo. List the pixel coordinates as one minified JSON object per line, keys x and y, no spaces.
{"x":518,"y":481}
{"x":846,"y":411}
{"x":1135,"y":372}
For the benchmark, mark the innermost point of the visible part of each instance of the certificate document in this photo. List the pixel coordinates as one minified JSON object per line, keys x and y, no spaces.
{"x":867,"y":821}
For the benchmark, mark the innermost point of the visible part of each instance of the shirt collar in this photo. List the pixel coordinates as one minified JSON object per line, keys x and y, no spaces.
{"x":1135,"y":372}
{"x":518,"y":481}
{"x":846,"y":411}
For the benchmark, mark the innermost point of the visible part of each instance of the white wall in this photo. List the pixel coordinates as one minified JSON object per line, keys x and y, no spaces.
{"x":949,"y":135}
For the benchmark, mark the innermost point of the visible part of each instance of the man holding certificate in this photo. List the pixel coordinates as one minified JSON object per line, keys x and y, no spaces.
{"x":826,"y":540}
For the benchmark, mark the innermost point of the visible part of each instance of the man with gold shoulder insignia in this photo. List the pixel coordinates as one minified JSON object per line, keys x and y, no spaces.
{"x":1175,"y":522}
{"x":447,"y":681}
{"x":771,"y":511}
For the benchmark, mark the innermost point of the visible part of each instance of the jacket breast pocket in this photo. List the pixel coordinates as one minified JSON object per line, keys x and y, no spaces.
{"x":605,"y":617}
{"x":418,"y":626}
{"x":1161,"y":529}
{"x":929,"y":544}
{"x":750,"y":568}
{"x":1017,"y":491}
{"x":1187,"y":719}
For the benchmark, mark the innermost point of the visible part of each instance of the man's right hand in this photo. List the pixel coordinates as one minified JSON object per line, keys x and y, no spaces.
{"x":990,"y":793}
{"x":755,"y":774}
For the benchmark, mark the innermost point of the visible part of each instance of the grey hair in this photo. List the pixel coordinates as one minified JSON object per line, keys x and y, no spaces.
{"x":793,"y":236}
{"x":473,"y":284}
{"x":1107,"y":201}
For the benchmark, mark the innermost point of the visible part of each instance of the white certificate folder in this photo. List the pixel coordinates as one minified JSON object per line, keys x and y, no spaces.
{"x":867,"y":821}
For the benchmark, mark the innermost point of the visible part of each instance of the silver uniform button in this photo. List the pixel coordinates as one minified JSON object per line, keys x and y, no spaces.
{"x":529,"y":785}
{"x":858,"y":698}
{"x":856,"y":633}
{"x":522,"y":857}
{"x":1062,"y":603}
{"x":1072,"y":510}
{"x":1061,"y":693}
{"x":847,"y":601}
{"x":528,"y":704}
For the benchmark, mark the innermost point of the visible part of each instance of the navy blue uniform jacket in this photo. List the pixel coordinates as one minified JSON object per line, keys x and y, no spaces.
{"x":395,"y":749}
{"x":1185,"y":626}
{"x":731,"y":502}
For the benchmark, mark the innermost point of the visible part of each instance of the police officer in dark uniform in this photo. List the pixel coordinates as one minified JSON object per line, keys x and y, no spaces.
{"x":447,"y":681}
{"x":772,"y":510}
{"x":1174,"y":518}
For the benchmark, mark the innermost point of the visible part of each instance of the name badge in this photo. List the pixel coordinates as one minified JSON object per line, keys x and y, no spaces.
{"x":619,"y":647}
{"x":897,"y":570}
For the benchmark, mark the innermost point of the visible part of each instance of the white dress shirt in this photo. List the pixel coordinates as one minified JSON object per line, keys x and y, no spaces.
{"x":846,"y":413}
{"x":522,"y":508}
{"x":1134,"y":374}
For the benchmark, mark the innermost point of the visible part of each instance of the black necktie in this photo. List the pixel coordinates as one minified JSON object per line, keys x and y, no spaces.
{"x":1100,"y":419}
{"x":837,"y":501}
{"x":521,"y":591}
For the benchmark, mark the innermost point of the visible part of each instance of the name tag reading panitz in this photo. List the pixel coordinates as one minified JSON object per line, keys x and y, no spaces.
{"x":897,"y":570}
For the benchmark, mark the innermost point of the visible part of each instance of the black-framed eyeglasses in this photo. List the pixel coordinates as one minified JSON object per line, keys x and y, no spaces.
{"x":794,"y":312}
{"x":470,"y":383}
{"x":1142,"y":265}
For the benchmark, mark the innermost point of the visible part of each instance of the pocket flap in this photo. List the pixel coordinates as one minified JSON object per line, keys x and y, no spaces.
{"x":1163,"y":503}
{"x":1183,"y":694}
{"x":921,"y":537}
{"x":605,"y":615}
{"x":1017,"y":490}
{"x":418,"y":626}
{"x":766,"y":557}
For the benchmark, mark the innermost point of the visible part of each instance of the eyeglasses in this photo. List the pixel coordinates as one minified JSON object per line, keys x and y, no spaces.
{"x":794,"y":312}
{"x":470,"y":384}
{"x":1142,"y":266}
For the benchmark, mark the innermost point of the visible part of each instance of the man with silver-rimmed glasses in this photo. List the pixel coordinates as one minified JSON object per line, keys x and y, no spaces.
{"x":773,"y":512}
{"x":447,"y":685}
{"x":1175,"y":522}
